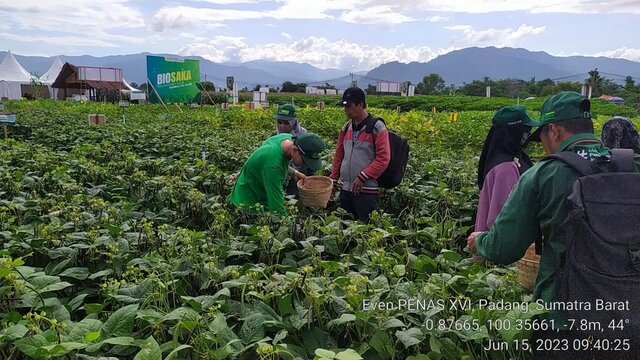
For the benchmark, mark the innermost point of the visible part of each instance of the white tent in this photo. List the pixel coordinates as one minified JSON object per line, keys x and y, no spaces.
{"x":12,"y":76}
{"x":129,"y":87}
{"x":50,"y":76}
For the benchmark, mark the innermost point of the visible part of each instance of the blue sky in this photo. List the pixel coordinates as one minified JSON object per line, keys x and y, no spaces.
{"x":351,"y":35}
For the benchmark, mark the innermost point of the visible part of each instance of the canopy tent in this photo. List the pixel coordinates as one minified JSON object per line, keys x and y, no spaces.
{"x":12,"y":77}
{"x":50,"y":76}
{"x":129,"y":87}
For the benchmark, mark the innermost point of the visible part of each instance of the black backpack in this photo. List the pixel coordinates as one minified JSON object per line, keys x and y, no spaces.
{"x":602,"y":262}
{"x":399,"y":147}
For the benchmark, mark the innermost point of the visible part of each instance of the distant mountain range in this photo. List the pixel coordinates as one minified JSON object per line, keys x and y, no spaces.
{"x":466,"y":65}
{"x":456,"y":67}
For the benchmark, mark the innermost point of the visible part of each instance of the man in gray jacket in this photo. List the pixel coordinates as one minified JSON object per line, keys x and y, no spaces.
{"x":361,"y":156}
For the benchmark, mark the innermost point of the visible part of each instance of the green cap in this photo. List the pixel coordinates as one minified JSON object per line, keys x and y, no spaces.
{"x":513,"y":115}
{"x":286,"y":112}
{"x":566,"y":105}
{"x":310,"y":145}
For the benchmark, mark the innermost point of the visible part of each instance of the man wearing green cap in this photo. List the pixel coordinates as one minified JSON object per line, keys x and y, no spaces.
{"x":536,"y":207}
{"x":260,"y":180}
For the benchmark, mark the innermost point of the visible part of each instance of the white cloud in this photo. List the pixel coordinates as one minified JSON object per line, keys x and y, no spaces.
{"x":182,"y":16}
{"x":73,"y":16}
{"x":621,"y":53}
{"x":495,"y":37}
{"x":317,"y":51}
{"x":286,"y":35}
{"x":382,"y":15}
{"x":60,"y":40}
{"x":532,"y":6}
{"x":436,"y":18}
{"x":228,"y":2}
{"x":71,"y":23}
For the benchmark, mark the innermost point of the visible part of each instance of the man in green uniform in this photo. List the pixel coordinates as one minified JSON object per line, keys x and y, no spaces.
{"x":536,"y":207}
{"x":260,"y":180}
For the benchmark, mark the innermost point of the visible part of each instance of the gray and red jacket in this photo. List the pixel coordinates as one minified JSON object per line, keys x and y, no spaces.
{"x":365,"y":155}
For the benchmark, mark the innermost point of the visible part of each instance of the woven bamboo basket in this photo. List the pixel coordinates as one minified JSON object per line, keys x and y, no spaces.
{"x":315,"y":191}
{"x":528,"y":268}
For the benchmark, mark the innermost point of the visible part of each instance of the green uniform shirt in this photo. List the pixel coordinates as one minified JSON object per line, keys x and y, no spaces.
{"x":534,"y":209}
{"x":260,"y":180}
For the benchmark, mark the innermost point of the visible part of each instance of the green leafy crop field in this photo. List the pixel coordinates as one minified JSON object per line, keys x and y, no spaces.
{"x":118,"y":243}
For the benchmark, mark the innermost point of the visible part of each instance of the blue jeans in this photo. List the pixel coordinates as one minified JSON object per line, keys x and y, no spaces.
{"x":360,"y":206}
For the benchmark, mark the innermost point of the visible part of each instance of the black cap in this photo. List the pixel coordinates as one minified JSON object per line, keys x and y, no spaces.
{"x":352,"y":95}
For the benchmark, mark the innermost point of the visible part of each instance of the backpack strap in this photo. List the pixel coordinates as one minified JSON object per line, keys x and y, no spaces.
{"x":583,"y":166}
{"x":623,"y":160}
{"x":346,"y":126}
{"x":369,"y":128}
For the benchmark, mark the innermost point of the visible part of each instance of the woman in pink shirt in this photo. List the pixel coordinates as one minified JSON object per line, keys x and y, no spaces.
{"x":502,"y":162}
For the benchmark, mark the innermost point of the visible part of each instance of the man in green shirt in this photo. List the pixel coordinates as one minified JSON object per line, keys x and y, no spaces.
{"x":260,"y":180}
{"x":536,"y":207}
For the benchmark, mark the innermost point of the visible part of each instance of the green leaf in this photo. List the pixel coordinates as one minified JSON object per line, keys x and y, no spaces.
{"x":175,"y":351}
{"x":410,"y":337}
{"x":114,"y":230}
{"x":434,"y":344}
{"x":419,"y":357}
{"x":121,"y":341}
{"x":330,"y":266}
{"x":53,"y":268}
{"x":285,"y":305}
{"x":252,"y":329}
{"x":75,"y":303}
{"x":55,"y":287}
{"x":13,"y":333}
{"x":149,"y":350}
{"x":64,"y":348}
{"x":343,"y":319}
{"x":381,"y":342}
{"x":325,"y":354}
{"x":392,"y":323}
{"x":380,"y":283}
{"x":181,"y":314}
{"x":78,"y":273}
{"x":32,"y":346}
{"x":399,"y":270}
{"x":120,"y":323}
{"x":281,"y":335}
{"x":315,"y":338}
{"x":100,"y":274}
{"x":55,"y":310}
{"x":39,"y":281}
{"x":348,"y":354}
{"x":92,"y":308}
{"x":91,"y":336}
{"x":450,"y":256}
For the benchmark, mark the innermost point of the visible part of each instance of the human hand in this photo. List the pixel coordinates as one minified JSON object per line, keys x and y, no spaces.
{"x":471,"y":242}
{"x":233,"y":178}
{"x":357,"y":186}
{"x":300,"y":176}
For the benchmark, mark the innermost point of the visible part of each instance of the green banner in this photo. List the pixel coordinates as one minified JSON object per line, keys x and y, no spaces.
{"x":174,"y":80}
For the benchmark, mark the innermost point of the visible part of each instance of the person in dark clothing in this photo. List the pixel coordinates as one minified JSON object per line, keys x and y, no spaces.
{"x":619,"y":133}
